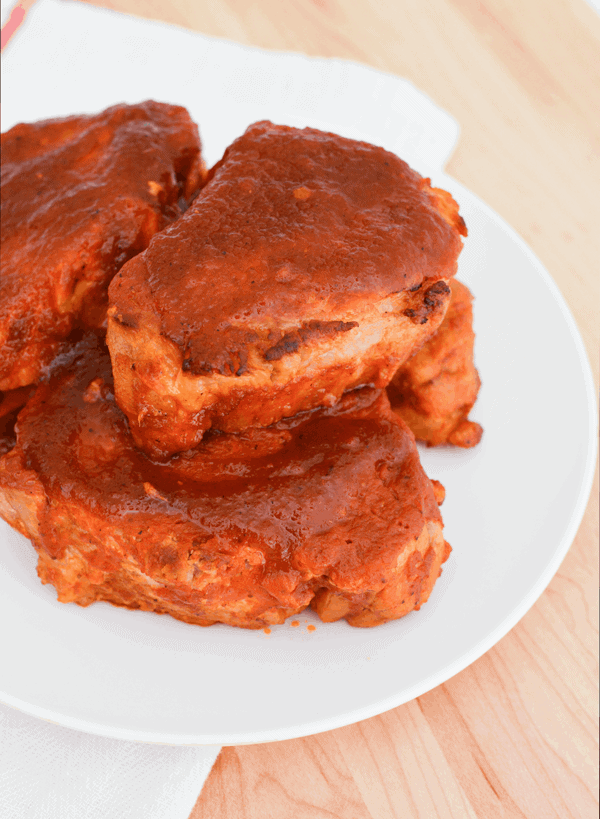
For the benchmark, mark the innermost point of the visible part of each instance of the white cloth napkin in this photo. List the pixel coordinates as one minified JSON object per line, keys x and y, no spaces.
{"x":49,"y":772}
{"x":68,"y":58}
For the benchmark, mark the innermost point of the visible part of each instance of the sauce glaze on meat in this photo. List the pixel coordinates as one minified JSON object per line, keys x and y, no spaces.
{"x":331,"y":508}
{"x":80,"y":196}
{"x":309,"y":264}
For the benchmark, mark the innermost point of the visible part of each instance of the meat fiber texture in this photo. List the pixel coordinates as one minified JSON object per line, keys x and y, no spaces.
{"x":330,"y":509}
{"x":308,"y":265}
{"x":80,"y":196}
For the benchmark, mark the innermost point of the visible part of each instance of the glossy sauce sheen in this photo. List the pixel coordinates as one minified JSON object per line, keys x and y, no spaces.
{"x":289,"y":219}
{"x":334,"y":492}
{"x":80,"y":196}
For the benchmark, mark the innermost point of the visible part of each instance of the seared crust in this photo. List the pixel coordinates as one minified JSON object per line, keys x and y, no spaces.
{"x":80,"y":196}
{"x":331,"y":507}
{"x":308,"y":265}
{"x":435,"y":390}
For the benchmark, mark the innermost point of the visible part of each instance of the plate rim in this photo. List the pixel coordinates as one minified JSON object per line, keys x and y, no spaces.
{"x":450,"y":669}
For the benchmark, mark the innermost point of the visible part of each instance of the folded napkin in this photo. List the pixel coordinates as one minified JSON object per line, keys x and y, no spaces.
{"x":71,"y":58}
{"x":49,"y":772}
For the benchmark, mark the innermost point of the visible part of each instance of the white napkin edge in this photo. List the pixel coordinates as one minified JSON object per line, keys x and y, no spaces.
{"x":425,"y":140}
{"x":51,"y":772}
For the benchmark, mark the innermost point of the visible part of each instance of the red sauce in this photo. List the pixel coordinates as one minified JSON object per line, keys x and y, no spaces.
{"x":290,"y":219}
{"x":318,"y":493}
{"x":80,"y":196}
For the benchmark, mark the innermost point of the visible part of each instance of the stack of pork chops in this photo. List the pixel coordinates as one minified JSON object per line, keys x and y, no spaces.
{"x":196,"y":365}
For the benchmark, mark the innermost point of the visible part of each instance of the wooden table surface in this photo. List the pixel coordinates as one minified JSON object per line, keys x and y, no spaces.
{"x":515,"y":734}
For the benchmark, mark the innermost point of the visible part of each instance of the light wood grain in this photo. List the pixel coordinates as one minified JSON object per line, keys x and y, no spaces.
{"x":515,"y":734}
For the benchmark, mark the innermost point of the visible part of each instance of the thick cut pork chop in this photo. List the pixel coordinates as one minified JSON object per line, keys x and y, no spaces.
{"x":330,"y":509}
{"x":308,"y":265}
{"x":80,"y":196}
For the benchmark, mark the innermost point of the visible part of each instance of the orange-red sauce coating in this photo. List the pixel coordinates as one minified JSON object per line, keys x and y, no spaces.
{"x":322,"y":490}
{"x":80,"y":196}
{"x":289,"y":218}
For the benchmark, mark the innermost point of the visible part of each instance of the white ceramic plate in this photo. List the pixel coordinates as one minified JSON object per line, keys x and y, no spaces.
{"x":513,"y":507}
